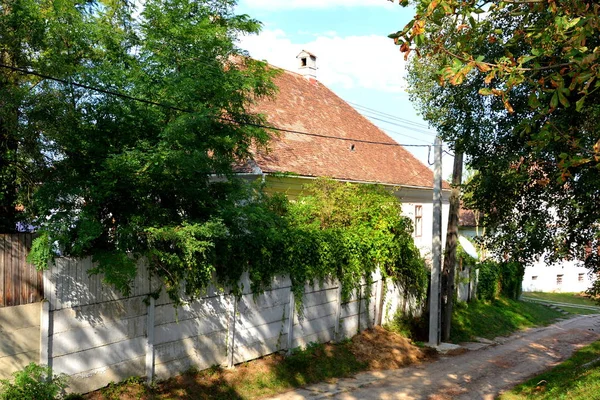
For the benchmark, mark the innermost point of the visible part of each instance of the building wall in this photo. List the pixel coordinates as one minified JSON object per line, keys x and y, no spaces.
{"x":567,"y":276}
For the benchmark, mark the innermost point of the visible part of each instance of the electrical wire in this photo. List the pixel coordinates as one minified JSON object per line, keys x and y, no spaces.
{"x":400,"y":125}
{"x":390,"y":116}
{"x":185,"y":110}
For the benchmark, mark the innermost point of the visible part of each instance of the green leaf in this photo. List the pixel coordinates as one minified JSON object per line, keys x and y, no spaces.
{"x":562,"y":98}
{"x":580,"y":103}
{"x":525,"y":59}
{"x":533,"y":100}
{"x":554,"y":100}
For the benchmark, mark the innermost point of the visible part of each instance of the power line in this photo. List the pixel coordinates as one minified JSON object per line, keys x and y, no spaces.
{"x":400,"y":125}
{"x":411,"y":128}
{"x":405,"y":135}
{"x":185,"y":110}
{"x":390,"y":116}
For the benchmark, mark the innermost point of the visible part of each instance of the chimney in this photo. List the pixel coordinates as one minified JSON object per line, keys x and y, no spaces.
{"x":307,"y":65}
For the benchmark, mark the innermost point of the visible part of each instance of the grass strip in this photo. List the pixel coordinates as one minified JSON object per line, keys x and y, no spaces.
{"x":579,"y":311}
{"x":578,"y":378}
{"x":489,"y":319}
{"x":573,"y":298}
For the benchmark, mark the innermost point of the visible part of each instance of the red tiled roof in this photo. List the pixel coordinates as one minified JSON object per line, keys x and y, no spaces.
{"x":309,"y":106}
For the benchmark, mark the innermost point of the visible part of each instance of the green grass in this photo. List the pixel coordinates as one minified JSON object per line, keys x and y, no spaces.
{"x":573,"y":379}
{"x":311,"y":365}
{"x":572,"y":298}
{"x":580,"y":311}
{"x":497,"y":318}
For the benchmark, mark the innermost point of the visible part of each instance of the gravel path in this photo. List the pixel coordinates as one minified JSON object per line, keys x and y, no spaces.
{"x":479,"y":374}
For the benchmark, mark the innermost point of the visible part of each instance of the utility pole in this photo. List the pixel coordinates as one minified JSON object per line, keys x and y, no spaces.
{"x":449,"y":269}
{"x":436,"y":268}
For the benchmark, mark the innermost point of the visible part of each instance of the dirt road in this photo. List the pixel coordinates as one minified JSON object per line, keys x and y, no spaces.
{"x":479,"y":374}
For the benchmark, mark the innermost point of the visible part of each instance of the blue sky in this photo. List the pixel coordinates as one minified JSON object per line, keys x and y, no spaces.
{"x":355,"y":58}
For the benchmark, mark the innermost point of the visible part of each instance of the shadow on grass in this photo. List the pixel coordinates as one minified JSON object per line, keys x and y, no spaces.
{"x":576,"y":378}
{"x":267,"y":376}
{"x":317,"y":363}
{"x":497,"y":318}
{"x":263,"y":377}
{"x":208,"y":384}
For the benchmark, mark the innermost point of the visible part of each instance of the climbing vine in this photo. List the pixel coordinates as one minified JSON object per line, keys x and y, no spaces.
{"x":334,"y":230}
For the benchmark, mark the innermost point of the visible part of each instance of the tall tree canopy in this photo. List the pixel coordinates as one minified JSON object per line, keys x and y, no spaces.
{"x":514,"y":84}
{"x":102,"y":173}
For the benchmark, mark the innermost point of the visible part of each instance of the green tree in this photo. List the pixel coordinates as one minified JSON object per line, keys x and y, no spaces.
{"x":515,"y":86}
{"x":115,"y":177}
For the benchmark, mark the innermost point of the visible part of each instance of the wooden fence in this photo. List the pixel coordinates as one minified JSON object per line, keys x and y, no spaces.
{"x":20,"y":282}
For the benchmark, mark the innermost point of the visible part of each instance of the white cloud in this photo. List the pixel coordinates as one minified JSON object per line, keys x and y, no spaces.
{"x":292,"y":4}
{"x":371,"y":62}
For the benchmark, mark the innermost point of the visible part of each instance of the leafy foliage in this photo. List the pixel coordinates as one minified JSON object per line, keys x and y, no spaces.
{"x":33,"y":382}
{"x":499,"y":279}
{"x":124,"y":179}
{"x":334,"y":230}
{"x":490,"y":319}
{"x":522,"y":105}
{"x":358,"y":228}
{"x":111,"y":176}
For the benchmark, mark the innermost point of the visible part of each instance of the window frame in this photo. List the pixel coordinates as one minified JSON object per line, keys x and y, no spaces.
{"x":418,"y":220}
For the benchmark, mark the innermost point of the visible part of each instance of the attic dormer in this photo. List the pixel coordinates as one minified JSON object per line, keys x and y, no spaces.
{"x":307,"y":64}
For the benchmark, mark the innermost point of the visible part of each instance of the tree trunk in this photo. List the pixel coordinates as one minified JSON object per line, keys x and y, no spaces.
{"x":449,"y":267}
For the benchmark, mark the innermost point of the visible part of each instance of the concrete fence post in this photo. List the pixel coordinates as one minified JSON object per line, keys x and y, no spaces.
{"x":233,"y":309}
{"x":45,"y":334}
{"x":150,"y":341}
{"x":338,"y":313}
{"x":290,"y":325}
{"x":46,"y":323}
{"x":379,"y":297}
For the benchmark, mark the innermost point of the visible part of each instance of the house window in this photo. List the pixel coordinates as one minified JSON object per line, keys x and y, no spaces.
{"x":559,"y":279}
{"x":418,"y":221}
{"x":580,"y":278}
{"x":534,"y":278}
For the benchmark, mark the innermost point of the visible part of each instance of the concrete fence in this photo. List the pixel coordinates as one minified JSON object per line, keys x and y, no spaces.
{"x":19,"y":337}
{"x":95,"y":335}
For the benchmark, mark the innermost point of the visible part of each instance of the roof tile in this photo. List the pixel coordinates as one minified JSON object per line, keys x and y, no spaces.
{"x":308,"y":106}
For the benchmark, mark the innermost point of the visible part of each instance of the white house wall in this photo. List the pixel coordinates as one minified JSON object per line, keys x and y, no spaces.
{"x":567,"y":276}
{"x":411,"y":197}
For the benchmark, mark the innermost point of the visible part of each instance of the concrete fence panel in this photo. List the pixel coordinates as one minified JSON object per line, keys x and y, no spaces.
{"x":96,"y":335}
{"x":19,"y":337}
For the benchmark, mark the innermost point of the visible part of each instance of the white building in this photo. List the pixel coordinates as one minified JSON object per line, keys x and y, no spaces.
{"x":566,"y":276}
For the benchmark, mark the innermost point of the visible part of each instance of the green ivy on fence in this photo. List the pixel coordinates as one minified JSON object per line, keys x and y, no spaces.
{"x":499,"y":278}
{"x":334,"y":230}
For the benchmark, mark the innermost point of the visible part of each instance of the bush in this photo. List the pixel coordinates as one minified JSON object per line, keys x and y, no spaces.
{"x":415,"y":327}
{"x":496,"y":279}
{"x":33,"y":382}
